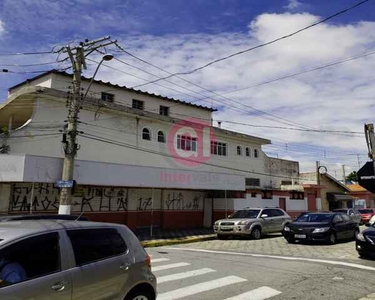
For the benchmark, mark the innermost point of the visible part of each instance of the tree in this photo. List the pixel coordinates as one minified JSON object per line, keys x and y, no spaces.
{"x":4,"y":147}
{"x":352,"y":176}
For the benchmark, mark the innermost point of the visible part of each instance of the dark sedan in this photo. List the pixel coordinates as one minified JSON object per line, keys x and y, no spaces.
{"x":365,"y":242}
{"x":324,"y":227}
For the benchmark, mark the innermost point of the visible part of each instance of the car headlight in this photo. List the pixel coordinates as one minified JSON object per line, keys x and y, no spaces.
{"x":360,"y":237}
{"x":322,"y":229}
{"x":243,"y":223}
{"x":286,"y":228}
{"x":216,"y":224}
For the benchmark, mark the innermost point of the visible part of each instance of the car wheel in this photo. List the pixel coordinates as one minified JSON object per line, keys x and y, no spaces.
{"x":332,"y":238}
{"x":256,"y":233}
{"x":140,"y":295}
{"x":356,"y":232}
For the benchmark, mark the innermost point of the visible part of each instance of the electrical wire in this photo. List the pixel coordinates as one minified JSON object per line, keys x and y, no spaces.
{"x":261,"y":45}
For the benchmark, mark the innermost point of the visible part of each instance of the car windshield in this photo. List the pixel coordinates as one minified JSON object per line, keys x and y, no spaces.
{"x":315,"y":218}
{"x":245,"y":214}
{"x":365,"y":211}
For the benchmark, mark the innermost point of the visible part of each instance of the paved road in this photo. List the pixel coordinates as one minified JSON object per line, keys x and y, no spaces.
{"x":275,"y":244}
{"x":184,"y":274}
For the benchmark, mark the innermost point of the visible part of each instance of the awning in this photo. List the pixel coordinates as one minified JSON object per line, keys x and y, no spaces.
{"x":339,"y":197}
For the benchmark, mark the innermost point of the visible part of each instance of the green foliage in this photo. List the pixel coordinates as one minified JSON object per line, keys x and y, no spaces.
{"x":352,"y":176}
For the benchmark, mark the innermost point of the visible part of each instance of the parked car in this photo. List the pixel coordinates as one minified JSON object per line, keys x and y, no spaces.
{"x":366,"y":214}
{"x":328,"y":227}
{"x":365,"y":242}
{"x":352,"y":213}
{"x":74,"y":260}
{"x":252,"y":222}
{"x":7,"y":218}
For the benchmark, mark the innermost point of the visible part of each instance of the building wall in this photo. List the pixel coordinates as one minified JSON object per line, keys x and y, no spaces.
{"x":126,"y":146}
{"x":135,"y":207}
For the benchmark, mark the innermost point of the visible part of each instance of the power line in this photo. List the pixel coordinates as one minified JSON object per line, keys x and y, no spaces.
{"x":290,"y":123}
{"x":261,"y":45}
{"x":27,"y":53}
{"x":30,"y":65}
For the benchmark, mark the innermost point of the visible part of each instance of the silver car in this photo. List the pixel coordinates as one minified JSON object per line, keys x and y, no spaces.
{"x":252,"y":222}
{"x":65,"y":260}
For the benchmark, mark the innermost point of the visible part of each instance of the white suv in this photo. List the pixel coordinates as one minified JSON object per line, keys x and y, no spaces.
{"x":252,"y":222}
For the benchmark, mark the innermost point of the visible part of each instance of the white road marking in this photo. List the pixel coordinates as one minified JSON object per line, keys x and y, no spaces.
{"x":183,"y":275}
{"x":200,"y":287}
{"x":156,"y":260}
{"x":330,"y":262}
{"x":170,"y":266}
{"x":261,"y":293}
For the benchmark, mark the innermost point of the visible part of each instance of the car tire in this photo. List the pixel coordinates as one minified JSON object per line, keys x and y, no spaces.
{"x":332,"y":238}
{"x":256,"y":233}
{"x":140,"y":295}
{"x":291,"y":241}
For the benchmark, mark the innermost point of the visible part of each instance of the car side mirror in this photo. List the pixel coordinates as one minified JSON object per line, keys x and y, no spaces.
{"x":264,"y":216}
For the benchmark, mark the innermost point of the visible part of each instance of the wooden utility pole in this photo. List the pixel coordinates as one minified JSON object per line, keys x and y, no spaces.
{"x":77,"y":57}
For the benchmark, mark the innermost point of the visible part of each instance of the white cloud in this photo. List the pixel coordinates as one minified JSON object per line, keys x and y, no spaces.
{"x":293,"y":4}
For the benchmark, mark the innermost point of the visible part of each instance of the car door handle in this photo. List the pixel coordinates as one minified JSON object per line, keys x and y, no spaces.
{"x":60,"y":286}
{"x":125,"y":267}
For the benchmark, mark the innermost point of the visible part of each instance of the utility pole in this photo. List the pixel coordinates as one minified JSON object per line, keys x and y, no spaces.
{"x":77,"y":57}
{"x":317,"y":173}
{"x":343,"y":174}
{"x":370,"y":139}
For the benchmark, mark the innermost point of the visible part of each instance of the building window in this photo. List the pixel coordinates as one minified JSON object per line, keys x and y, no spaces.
{"x":138,"y":104}
{"x":286,"y":182}
{"x":146,"y":134}
{"x":256,"y":153}
{"x":164,"y":110}
{"x":108,"y":97}
{"x":239,"y":150}
{"x":247,"y":151}
{"x":252,"y":181}
{"x":161,"y":137}
{"x":186,"y":143}
{"x":218,"y":148}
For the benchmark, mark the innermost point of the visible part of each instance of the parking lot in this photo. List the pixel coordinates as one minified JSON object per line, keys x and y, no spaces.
{"x":275,"y":244}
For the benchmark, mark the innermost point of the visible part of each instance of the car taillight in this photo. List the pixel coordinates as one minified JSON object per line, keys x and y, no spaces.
{"x":148,"y":261}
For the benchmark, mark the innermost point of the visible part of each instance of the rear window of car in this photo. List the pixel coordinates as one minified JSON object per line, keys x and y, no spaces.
{"x":366,"y":211}
{"x":315,"y":218}
{"x":90,"y":245}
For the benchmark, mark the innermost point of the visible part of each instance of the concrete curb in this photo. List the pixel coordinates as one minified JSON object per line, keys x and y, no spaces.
{"x":176,"y":241}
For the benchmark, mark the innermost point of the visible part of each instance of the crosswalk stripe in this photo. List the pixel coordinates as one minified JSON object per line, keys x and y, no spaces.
{"x":183,"y":275}
{"x":200,"y":287}
{"x":261,"y":293}
{"x":170,"y":266}
{"x":156,"y":260}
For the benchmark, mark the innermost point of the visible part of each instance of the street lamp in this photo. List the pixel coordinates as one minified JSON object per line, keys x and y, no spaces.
{"x":105,"y":57}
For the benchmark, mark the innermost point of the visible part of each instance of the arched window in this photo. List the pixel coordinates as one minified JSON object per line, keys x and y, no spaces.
{"x":256,"y":153}
{"x":239,"y":150}
{"x":146,"y":134}
{"x":247,"y":151}
{"x":161,"y":137}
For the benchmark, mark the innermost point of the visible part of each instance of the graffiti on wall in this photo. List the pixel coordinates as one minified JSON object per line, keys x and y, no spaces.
{"x":45,"y":197}
{"x":183,"y":200}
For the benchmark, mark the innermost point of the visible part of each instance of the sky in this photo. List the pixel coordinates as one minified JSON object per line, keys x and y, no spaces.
{"x":180,"y":35}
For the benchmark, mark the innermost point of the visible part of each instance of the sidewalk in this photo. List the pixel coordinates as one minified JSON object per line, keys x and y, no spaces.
{"x":173,"y":237}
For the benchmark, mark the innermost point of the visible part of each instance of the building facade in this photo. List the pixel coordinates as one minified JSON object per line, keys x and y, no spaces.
{"x":143,"y":159}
